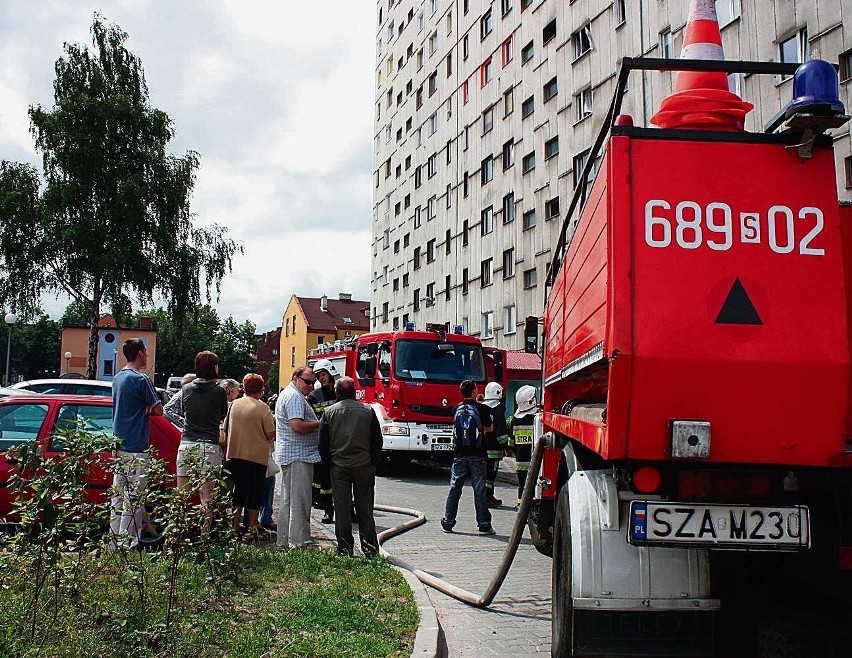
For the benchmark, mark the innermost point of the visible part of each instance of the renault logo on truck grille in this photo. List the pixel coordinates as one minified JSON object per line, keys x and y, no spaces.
{"x":444,"y":402}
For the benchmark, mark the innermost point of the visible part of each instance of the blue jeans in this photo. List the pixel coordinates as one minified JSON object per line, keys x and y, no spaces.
{"x":266,"y":507}
{"x":461,"y":469}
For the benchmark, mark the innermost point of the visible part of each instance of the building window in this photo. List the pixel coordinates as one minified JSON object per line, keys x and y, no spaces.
{"x":550,"y":89}
{"x":433,"y":83}
{"x":527,"y":52}
{"x":465,"y":184}
{"x":418,"y":176}
{"x":420,"y":58}
{"x":486,"y":72}
{"x":385,"y":312}
{"x":549,"y":32}
{"x":487,"y":223}
{"x":846,"y":66}
{"x":465,"y":47}
{"x":581,"y":40}
{"x":449,"y":195}
{"x":487,"y":170}
{"x":396,"y":323}
{"x":736,"y":84}
{"x":416,"y":264}
{"x":485,"y":272}
{"x":727,"y":11}
{"x":292,"y":357}
{"x":430,"y":294}
{"x":530,"y":278}
{"x":385,"y":275}
{"x":417,"y":219}
{"x":418,"y":98}
{"x":528,"y":163}
{"x":485,"y":25}
{"x":488,"y":324}
{"x":465,"y":229}
{"x":431,"y":208}
{"x":579,"y":164}
{"x":583,"y":104}
{"x":465,"y":94}
{"x":795,"y":48}
{"x":406,"y":239}
{"x":448,"y":241}
{"x":407,"y":201}
{"x":525,"y":4}
{"x":396,"y":284}
{"x":287,"y":327}
{"x":620,"y":9}
{"x":528,"y":107}
{"x":551,"y":147}
{"x":551,"y":208}
{"x":432,"y":124}
{"x":506,"y":52}
{"x":508,"y":154}
{"x":529,"y":219}
{"x":508,"y":102}
{"x":447,"y":287}
{"x":509,"y":208}
{"x":386,"y":239}
{"x":405,"y":280}
{"x":432,"y":165}
{"x":416,"y":299}
{"x":430,"y":250}
{"x":418,"y":136}
{"x":506,"y":6}
{"x":396,"y":247}
{"x":666,"y":44}
{"x":487,"y":120}
{"x":510,"y":320}
{"x":465,"y":281}
{"x":847,"y":165}
{"x":509,"y":263}
{"x":433,"y":43}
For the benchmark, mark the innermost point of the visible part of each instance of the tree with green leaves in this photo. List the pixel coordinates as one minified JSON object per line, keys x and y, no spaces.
{"x":34,"y":345}
{"x":113,"y":223}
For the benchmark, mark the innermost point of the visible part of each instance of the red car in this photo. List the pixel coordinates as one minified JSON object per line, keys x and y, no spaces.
{"x":33,"y":418}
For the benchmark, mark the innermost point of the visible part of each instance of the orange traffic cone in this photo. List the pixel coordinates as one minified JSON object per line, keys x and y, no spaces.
{"x":701,"y":100}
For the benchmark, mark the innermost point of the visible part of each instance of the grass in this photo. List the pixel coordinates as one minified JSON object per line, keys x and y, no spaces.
{"x":279,"y":604}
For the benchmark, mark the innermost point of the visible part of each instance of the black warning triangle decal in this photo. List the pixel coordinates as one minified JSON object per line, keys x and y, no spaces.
{"x":738,"y":308}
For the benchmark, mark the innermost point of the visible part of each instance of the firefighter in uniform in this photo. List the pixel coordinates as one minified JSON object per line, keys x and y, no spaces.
{"x":496,"y":442}
{"x":521,"y":433}
{"x":319,"y":399}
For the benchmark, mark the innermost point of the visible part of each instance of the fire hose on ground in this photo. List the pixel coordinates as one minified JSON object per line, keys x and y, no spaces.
{"x":476,"y":600}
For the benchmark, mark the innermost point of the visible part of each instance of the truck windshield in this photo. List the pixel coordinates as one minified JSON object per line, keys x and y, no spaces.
{"x":433,"y":361}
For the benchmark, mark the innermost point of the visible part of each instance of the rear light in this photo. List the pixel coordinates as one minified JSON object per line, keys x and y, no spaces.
{"x":844,"y":558}
{"x":647,"y":479}
{"x":726,"y":486}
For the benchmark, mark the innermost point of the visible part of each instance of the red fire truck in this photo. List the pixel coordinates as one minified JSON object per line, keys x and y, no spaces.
{"x":696,"y":484}
{"x":411,"y":379}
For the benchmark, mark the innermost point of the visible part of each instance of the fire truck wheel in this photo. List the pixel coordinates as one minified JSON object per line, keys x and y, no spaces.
{"x":562,"y":602}
{"x":543,"y":541}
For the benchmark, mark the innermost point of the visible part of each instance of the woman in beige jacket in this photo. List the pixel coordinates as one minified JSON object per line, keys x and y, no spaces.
{"x":249,"y":429}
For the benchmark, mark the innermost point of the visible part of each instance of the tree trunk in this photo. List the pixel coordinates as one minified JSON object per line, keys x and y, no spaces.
{"x":95,"y":312}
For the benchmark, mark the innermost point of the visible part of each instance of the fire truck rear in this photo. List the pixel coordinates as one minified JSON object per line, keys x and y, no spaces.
{"x":696,"y":487}
{"x":411,"y":379}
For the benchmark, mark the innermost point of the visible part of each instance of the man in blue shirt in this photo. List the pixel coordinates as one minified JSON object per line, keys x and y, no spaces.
{"x":134,"y":398}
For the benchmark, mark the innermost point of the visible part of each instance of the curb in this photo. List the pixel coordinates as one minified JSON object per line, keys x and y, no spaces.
{"x":427,"y":640}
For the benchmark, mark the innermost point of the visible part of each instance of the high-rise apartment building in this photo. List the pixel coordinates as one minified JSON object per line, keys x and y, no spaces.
{"x":484,"y":116}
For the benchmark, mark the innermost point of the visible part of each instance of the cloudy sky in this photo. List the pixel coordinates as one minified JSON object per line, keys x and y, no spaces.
{"x":276,"y":97}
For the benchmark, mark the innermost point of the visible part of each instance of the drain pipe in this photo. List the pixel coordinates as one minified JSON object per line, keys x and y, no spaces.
{"x":476,"y":600}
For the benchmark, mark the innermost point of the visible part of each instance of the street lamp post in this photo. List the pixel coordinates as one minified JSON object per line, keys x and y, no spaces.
{"x":10,"y":318}
{"x":67,"y":361}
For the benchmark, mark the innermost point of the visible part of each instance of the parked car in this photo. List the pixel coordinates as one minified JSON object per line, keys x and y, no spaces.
{"x":34,"y":418}
{"x":74,"y":387}
{"x":67,"y":386}
{"x":6,"y":391}
{"x":173,"y":385}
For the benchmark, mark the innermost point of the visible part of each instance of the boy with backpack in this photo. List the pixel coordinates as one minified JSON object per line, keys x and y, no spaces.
{"x":471,"y":420}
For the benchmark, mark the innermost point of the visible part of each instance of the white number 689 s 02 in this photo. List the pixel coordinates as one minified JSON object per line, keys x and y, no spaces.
{"x":693,"y":226}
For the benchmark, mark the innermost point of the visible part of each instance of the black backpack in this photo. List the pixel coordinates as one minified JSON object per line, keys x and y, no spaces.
{"x":467,"y":426}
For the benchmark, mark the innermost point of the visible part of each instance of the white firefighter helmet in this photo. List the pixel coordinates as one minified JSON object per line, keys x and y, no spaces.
{"x":328,"y":366}
{"x":525,"y":401}
{"x":493,"y":394}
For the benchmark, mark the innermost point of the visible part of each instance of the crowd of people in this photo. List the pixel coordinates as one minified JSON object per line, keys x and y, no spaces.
{"x":313,"y":436}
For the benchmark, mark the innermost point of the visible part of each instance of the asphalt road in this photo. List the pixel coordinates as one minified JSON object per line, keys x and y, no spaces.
{"x":518,"y":621}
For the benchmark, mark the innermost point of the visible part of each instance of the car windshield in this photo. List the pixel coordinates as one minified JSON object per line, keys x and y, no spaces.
{"x":434,"y":361}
